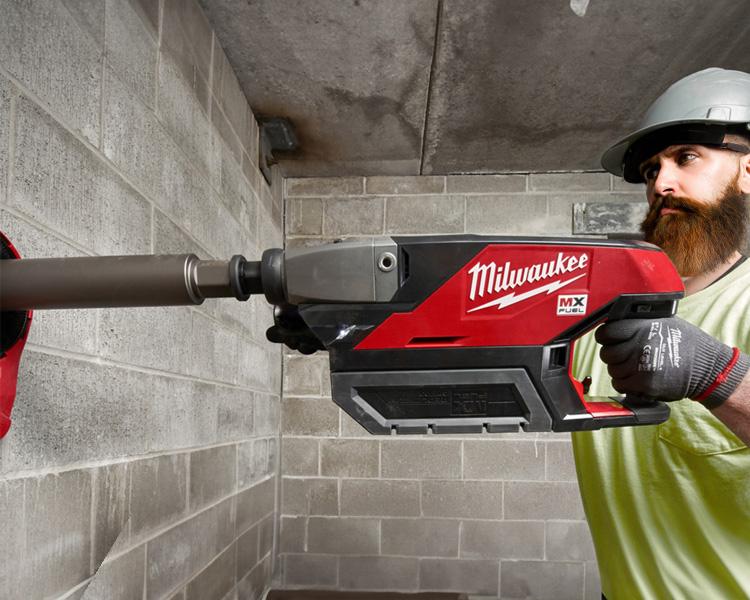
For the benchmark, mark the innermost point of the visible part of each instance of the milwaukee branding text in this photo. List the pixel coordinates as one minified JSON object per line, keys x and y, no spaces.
{"x":492,"y":279}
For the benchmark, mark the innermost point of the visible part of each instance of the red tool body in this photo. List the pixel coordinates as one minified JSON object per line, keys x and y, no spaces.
{"x":480,"y":334}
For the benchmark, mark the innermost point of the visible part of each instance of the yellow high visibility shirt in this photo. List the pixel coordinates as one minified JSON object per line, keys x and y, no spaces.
{"x":669,"y":505}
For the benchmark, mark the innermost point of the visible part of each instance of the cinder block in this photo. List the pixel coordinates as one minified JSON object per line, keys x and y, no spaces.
{"x":309,"y":416}
{"x":5,"y":93}
{"x":255,"y":503}
{"x":512,"y":214}
{"x":303,"y":375}
{"x":42,"y":47}
{"x":468,"y":576}
{"x":255,"y":584}
{"x":63,"y":405}
{"x":252,"y":463}
{"x":273,"y":455}
{"x":227,"y":90}
{"x":254,"y":177}
{"x":548,"y":500}
{"x":90,"y":17}
{"x":149,"y":10}
{"x":247,"y":551}
{"x":592,"y":583}
{"x":267,"y":409}
{"x":182,"y":112}
{"x":486,"y":184}
{"x":502,"y":539}
{"x":311,"y":571}
{"x":157,"y":492}
{"x":353,"y":216}
{"x":293,"y":534}
{"x":362,"y":497}
{"x":343,"y":535}
{"x":620,"y":185}
{"x":378,"y":573}
{"x":119,"y":578}
{"x":309,"y":496}
{"x":265,"y":535}
{"x":223,"y":129}
{"x":234,"y":411}
{"x":423,"y":184}
{"x":216,"y":580}
{"x":305,"y":216}
{"x":542,"y":580}
{"x":57,"y":511}
{"x":213,"y":350}
{"x":324,"y":186}
{"x":469,"y":499}
{"x":522,"y":460}
{"x":212,"y":474}
{"x":349,"y":458}
{"x":350,"y":428}
{"x":231,"y":178}
{"x":186,"y":548}
{"x":123,"y":336}
{"x":560,"y":212}
{"x":569,"y":541}
{"x":131,"y":44}
{"x":134,"y":140}
{"x":187,"y":37}
{"x":421,"y":459}
{"x":608,"y":217}
{"x":425,"y":214}
{"x":248,"y":216}
{"x":111,"y":510}
{"x":419,"y":537}
{"x":14,"y":535}
{"x":259,"y":366}
{"x":170,"y":238}
{"x":560,"y":464}
{"x":61,"y":184}
{"x":569,"y":182}
{"x":299,"y":456}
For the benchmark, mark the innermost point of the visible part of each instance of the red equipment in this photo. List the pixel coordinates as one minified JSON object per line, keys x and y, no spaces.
{"x":14,"y":329}
{"x":448,"y":334}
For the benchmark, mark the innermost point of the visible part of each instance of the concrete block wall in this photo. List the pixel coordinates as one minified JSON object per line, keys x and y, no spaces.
{"x":143,"y":454}
{"x":498,"y":516}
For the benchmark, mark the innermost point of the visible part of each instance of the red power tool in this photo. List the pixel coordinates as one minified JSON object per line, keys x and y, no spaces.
{"x":442,"y":334}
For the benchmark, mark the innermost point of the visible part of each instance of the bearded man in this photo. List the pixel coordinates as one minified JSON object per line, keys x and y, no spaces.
{"x":669,"y":505}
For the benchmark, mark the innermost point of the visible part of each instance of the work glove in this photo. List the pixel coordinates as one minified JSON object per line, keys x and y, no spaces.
{"x":290,"y":329}
{"x":669,"y":359}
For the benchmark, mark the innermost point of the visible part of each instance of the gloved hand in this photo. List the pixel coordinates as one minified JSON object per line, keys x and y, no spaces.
{"x":670,"y":359}
{"x":290,"y":329}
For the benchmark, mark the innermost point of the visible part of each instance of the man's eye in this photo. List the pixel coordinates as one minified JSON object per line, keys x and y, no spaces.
{"x":686,"y":157}
{"x":650,"y":172}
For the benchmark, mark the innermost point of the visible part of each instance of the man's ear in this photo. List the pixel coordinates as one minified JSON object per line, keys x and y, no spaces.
{"x":744,"y":180}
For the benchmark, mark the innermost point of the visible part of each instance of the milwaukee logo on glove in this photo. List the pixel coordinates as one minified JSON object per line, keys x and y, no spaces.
{"x":490,"y":279}
{"x":663,"y":344}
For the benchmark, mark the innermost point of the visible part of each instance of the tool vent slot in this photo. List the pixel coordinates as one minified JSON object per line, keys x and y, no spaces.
{"x":450,"y":340}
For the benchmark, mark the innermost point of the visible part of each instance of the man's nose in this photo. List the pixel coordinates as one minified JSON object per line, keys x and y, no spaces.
{"x":666,"y":180}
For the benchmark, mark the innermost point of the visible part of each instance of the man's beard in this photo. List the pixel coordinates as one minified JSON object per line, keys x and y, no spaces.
{"x":701,"y":236}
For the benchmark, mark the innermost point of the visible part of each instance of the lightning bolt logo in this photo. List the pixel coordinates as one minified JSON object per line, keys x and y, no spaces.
{"x":512,"y":298}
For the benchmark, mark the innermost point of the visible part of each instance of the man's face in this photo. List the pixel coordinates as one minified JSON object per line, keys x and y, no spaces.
{"x":697,"y":210}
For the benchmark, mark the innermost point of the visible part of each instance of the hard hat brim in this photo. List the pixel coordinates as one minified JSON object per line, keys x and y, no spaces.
{"x":613,"y":159}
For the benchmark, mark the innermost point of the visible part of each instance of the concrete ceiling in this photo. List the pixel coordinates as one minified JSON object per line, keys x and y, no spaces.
{"x":467,"y":86}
